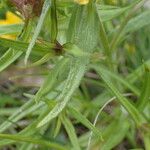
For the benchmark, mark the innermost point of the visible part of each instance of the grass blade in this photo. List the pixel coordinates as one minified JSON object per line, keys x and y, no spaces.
{"x":45,"y":9}
{"x":136,"y":115}
{"x":71,"y":132}
{"x":20,"y":138}
{"x":85,"y":121}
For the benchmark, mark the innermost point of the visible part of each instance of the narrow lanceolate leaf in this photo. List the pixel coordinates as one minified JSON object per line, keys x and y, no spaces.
{"x":41,"y":61}
{"x":77,"y":115}
{"x":138,"y":22}
{"x":54,"y":28}
{"x":71,"y":132}
{"x":138,"y":72}
{"x":131,"y":109}
{"x":50,"y":80}
{"x":10,"y":29}
{"x":105,"y":43}
{"x":26,"y":109}
{"x":58,"y":127}
{"x":118,"y":78}
{"x":135,"y":24}
{"x":45,"y":9}
{"x":138,"y":4}
{"x":20,"y":138}
{"x":110,"y":12}
{"x":38,"y":49}
{"x":114,"y":139}
{"x":11,"y":54}
{"x":71,"y":84}
{"x":145,"y":93}
{"x":9,"y":57}
{"x":83,"y":24}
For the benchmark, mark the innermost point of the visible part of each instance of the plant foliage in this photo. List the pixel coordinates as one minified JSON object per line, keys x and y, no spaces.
{"x":76,"y":76}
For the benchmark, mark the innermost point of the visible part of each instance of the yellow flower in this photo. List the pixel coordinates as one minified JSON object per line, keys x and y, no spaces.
{"x":10,"y":19}
{"x":82,"y":2}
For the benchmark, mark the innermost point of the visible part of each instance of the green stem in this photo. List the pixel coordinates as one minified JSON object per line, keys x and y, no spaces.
{"x":105,"y":42}
{"x":54,"y":28}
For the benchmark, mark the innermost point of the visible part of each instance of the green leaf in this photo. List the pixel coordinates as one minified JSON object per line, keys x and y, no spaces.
{"x":71,"y":132}
{"x":50,"y":80}
{"x":145,"y":93}
{"x":131,"y":109}
{"x":26,"y":109}
{"x":71,"y":84}
{"x":119,"y":31}
{"x":39,"y":48}
{"x":138,"y":22}
{"x":58,"y":127}
{"x":41,"y":61}
{"x":118,"y":78}
{"x":114,"y":139}
{"x":45,"y":9}
{"x":10,"y":29}
{"x":11,"y":55}
{"x":54,"y":28}
{"x":20,"y":138}
{"x":82,"y":24}
{"x":105,"y":42}
{"x":76,"y":114}
{"x":135,"y":24}
{"x":132,"y":77}
{"x":110,"y":12}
